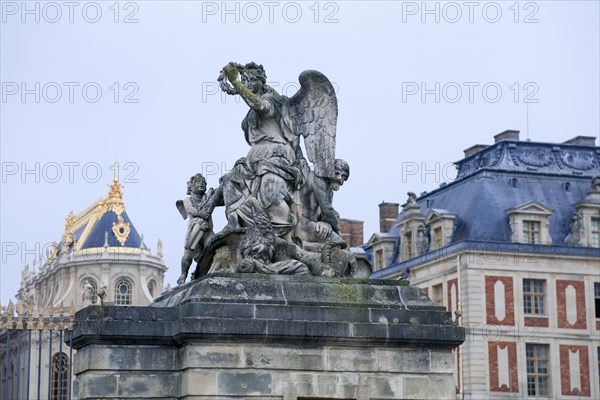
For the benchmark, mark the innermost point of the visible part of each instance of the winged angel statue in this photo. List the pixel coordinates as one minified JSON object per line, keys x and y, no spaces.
{"x":282,"y":204}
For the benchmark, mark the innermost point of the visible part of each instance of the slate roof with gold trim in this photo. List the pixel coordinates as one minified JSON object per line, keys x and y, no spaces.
{"x":104,"y":223}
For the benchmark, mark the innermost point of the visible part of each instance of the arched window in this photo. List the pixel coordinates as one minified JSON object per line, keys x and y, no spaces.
{"x":90,"y":291}
{"x":60,"y":377}
{"x":123,"y":292}
{"x":151,"y":287}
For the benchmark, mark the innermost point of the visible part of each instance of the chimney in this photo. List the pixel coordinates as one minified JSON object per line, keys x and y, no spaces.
{"x":352,"y":231}
{"x":507,"y":135}
{"x":582,"y":141}
{"x":474,"y":149}
{"x":388,"y":212}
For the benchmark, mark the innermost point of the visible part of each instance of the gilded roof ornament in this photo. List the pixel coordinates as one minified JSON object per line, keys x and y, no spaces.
{"x":121,"y":229}
{"x":67,"y":238}
{"x":69,"y":221}
{"x":114,"y":202}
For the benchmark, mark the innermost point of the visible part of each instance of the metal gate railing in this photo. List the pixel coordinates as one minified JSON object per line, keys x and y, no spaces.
{"x":30,"y":365}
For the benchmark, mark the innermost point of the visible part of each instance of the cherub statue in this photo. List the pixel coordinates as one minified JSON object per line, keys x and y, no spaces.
{"x":271,"y":171}
{"x":198,"y":207}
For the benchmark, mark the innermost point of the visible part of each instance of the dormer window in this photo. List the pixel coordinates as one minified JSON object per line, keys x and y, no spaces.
{"x":382,"y":245}
{"x":441,"y":223}
{"x":584,"y":225}
{"x":529,"y":223}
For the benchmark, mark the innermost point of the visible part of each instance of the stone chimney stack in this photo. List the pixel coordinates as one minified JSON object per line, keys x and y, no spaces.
{"x":507,"y":135}
{"x":582,"y":141}
{"x":352,"y":232}
{"x":388,"y":212}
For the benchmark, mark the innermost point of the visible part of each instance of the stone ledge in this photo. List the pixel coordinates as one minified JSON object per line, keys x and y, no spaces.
{"x":296,"y":290}
{"x":274,"y":309}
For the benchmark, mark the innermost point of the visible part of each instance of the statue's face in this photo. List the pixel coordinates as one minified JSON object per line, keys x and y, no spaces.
{"x":338,"y":181}
{"x":199,"y":186}
{"x":252,"y":82}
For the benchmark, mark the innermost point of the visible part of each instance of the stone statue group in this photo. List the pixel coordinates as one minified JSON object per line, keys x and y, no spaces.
{"x":280,"y":217}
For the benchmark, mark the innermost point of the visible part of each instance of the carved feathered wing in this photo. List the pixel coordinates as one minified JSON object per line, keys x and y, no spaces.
{"x":314,"y":112}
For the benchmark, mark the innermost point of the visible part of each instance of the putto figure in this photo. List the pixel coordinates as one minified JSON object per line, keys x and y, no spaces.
{"x":198,"y":207}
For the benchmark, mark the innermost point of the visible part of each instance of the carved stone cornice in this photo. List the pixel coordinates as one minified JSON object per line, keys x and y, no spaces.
{"x":546,"y":158}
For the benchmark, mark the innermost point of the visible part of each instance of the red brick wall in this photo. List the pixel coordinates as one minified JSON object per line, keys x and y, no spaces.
{"x":352,"y":231}
{"x":452,"y":293}
{"x":426,"y":291}
{"x":565,"y":373}
{"x":512,"y":366}
{"x":387,"y":216}
{"x":541,"y":322}
{"x":561,"y":304}
{"x":509,"y":300}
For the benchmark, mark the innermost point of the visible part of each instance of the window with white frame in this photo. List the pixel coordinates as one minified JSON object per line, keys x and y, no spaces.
{"x":534,"y":297}
{"x":537,"y":356}
{"x":123,"y":292}
{"x":531,"y":232}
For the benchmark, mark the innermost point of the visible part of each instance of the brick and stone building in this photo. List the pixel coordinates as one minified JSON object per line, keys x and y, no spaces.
{"x":512,"y":245}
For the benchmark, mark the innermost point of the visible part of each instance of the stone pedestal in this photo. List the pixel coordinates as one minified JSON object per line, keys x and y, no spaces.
{"x":270,"y":337}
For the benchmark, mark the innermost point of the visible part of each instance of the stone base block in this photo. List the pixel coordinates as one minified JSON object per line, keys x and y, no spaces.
{"x":269,"y":337}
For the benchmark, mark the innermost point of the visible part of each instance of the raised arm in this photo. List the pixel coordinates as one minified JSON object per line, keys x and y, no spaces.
{"x":253,"y":100}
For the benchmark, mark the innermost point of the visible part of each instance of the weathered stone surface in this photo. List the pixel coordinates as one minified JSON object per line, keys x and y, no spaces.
{"x":429,"y":387}
{"x":409,"y":360}
{"x":208,"y":356}
{"x":351,"y":360}
{"x":199,"y":382}
{"x":267,"y":358}
{"x":244,"y":383}
{"x":95,"y":357}
{"x":442,"y":361}
{"x":254,"y":337}
{"x":148,"y":385}
{"x":385,"y":387}
{"x":93,"y":385}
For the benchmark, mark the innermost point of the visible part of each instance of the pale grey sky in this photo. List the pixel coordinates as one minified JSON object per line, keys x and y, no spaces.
{"x":415,"y":87}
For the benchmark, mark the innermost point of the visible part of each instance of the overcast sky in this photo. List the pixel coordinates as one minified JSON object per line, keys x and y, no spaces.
{"x":88,"y":84}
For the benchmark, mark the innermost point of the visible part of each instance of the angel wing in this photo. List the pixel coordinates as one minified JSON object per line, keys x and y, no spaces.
{"x":181,"y":208}
{"x":314,"y":112}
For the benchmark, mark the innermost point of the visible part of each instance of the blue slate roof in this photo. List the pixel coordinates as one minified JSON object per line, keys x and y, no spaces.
{"x":509,"y":174}
{"x":481,"y":200}
{"x":105,"y":224}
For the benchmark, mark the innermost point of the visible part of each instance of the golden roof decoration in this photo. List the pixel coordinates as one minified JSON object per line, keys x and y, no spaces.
{"x":121,"y":229}
{"x":114,"y":202}
{"x":67,"y":238}
{"x":83,"y":223}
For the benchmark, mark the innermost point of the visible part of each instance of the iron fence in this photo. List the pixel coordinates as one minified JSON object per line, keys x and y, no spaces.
{"x":33,"y":349}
